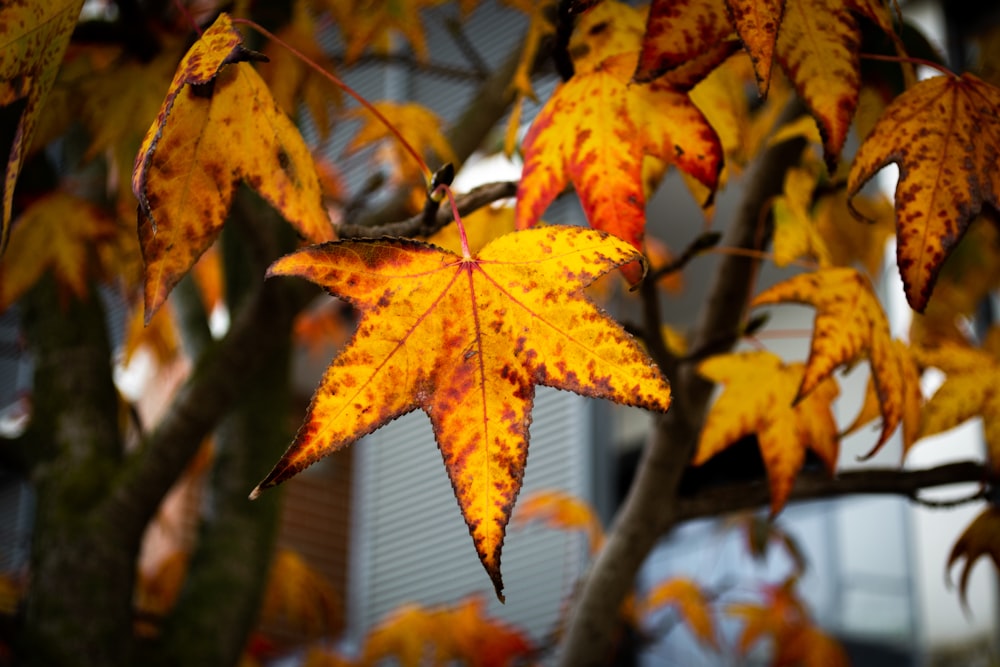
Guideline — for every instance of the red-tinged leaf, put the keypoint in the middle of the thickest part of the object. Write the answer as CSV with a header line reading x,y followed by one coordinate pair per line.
x,y
818,47
560,510
757,22
596,131
850,324
760,397
678,31
57,233
300,598
466,340
690,601
218,125
980,538
481,641
780,616
944,134
33,39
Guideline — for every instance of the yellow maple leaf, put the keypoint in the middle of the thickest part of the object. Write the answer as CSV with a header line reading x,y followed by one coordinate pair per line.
x,y
540,26
944,133
597,129
690,601
466,340
371,24
760,397
299,597
33,39
912,401
970,389
420,126
560,510
57,233
218,125
849,241
850,324
795,232
980,538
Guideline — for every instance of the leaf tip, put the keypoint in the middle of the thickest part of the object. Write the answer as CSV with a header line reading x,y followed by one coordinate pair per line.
x,y
255,494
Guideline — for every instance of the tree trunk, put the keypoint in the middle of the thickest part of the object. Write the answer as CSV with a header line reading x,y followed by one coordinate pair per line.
x,y
79,607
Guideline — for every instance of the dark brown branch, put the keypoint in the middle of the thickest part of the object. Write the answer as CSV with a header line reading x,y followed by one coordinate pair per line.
x,y
817,485
414,225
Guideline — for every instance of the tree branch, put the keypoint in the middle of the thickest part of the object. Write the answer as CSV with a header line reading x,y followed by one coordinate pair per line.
x,y
817,485
471,201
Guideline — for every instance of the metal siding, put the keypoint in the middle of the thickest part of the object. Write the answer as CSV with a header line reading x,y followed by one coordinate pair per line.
x,y
413,545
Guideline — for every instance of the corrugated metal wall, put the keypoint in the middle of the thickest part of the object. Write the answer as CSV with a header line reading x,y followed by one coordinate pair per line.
x,y
411,544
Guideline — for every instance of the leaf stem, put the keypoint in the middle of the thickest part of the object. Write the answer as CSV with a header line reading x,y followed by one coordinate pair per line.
x,y
445,189
910,60
758,254
337,81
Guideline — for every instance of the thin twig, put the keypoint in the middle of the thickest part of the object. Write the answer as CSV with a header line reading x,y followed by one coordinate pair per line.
x,y
414,225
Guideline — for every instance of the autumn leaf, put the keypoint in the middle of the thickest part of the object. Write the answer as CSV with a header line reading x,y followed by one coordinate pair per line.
x,y
760,397
597,129
677,31
33,39
980,538
756,22
372,24
796,234
912,406
760,532
540,26
420,126
189,164
849,241
970,389
560,510
944,134
783,618
417,636
291,80
466,340
298,596
159,337
691,603
817,46
56,233
850,324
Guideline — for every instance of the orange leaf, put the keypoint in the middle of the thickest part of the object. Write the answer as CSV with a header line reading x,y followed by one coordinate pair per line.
x,y
797,641
596,130
218,125
678,31
756,22
563,511
760,397
56,233
300,596
966,391
690,602
466,340
160,336
980,538
33,39
481,641
818,47
411,634
944,133
850,324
